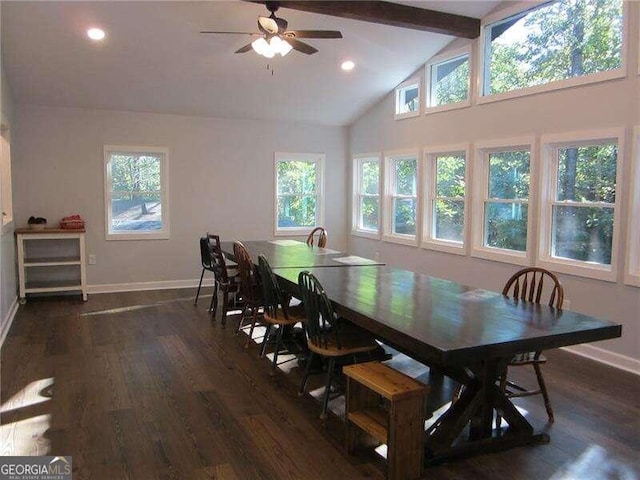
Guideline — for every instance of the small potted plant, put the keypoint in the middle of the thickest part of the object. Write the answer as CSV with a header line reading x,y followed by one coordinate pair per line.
x,y
37,223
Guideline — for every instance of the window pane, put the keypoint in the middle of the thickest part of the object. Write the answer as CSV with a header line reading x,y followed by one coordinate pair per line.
x,y
587,174
369,208
297,211
131,212
296,177
450,176
506,226
509,175
370,177
406,174
450,81
408,99
449,219
131,172
556,41
404,216
583,233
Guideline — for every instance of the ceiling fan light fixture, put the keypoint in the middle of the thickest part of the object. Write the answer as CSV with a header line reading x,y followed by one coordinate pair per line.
x,y
262,47
285,47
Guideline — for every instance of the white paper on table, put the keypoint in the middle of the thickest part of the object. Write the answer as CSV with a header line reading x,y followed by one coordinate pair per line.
x,y
355,260
285,243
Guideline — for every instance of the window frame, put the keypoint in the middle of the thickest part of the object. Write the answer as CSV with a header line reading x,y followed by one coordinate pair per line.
x,y
480,195
319,160
358,161
549,145
520,7
390,159
632,271
429,182
406,85
165,232
6,201
444,58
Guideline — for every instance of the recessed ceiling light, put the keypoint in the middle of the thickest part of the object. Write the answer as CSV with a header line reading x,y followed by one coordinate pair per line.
x,y
95,33
347,65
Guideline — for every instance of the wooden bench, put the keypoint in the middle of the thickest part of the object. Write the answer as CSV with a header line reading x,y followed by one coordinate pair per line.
x,y
386,406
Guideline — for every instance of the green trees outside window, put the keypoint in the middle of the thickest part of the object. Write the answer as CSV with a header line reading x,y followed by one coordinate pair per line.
x,y
297,191
404,196
448,202
369,196
449,81
555,41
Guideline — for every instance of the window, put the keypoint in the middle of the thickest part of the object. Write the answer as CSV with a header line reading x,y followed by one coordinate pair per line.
x,y
445,204
401,197
579,203
448,81
553,45
408,99
6,201
501,219
136,192
633,236
299,192
366,195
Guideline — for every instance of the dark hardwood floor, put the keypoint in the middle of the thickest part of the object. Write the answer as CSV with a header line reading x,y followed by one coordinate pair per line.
x,y
142,385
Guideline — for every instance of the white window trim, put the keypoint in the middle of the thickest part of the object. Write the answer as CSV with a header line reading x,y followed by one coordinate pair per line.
x,y
551,86
387,212
480,190
163,234
6,201
358,160
318,159
415,81
632,273
548,178
429,190
427,75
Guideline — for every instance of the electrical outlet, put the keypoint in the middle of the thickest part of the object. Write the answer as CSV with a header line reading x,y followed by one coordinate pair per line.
x,y
92,259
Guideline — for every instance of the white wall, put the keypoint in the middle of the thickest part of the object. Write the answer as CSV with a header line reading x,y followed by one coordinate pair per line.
x,y
609,104
221,181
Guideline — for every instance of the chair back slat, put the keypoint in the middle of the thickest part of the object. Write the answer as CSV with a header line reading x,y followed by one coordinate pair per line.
x,y
322,237
271,291
529,285
321,321
218,259
205,253
250,286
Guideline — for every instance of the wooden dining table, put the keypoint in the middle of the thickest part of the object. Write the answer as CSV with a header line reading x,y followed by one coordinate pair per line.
x,y
467,333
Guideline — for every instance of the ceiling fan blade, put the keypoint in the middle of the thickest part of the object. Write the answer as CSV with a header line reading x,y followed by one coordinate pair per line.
x,y
233,33
245,49
313,34
268,25
301,46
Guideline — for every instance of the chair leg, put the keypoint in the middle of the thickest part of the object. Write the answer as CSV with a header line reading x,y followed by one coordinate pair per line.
x,y
213,306
225,306
253,326
274,364
242,315
263,348
503,389
195,302
327,389
543,390
307,370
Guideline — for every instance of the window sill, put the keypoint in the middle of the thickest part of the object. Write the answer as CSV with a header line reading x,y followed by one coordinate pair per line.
x,y
366,234
293,231
579,269
500,255
402,240
402,116
553,86
138,236
447,107
444,246
632,279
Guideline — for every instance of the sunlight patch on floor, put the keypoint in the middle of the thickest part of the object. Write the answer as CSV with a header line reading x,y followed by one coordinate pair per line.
x,y
595,462
25,437
34,393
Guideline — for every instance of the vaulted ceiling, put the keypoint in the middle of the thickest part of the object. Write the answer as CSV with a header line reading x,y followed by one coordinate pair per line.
x,y
155,60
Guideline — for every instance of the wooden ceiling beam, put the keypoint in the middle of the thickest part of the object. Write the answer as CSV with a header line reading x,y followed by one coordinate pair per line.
x,y
388,13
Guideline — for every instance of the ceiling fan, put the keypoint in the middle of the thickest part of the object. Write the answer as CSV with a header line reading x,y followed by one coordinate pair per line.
x,y
276,39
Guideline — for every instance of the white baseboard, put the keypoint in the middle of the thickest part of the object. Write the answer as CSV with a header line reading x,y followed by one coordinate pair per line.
x,y
139,286
8,320
606,356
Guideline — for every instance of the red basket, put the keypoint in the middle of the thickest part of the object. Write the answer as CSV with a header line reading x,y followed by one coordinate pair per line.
x,y
74,222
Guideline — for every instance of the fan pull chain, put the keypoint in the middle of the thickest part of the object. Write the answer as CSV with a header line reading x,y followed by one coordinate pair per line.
x,y
269,67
